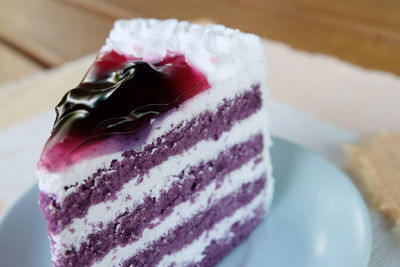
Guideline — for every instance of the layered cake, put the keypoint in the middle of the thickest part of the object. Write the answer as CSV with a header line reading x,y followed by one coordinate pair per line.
x,y
160,156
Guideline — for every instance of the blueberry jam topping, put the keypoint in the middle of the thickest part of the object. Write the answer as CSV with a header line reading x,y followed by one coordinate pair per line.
x,y
119,96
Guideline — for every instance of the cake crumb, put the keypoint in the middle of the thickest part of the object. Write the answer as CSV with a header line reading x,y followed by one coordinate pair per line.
x,y
375,163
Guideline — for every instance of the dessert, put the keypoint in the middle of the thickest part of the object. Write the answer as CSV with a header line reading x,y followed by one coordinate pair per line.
x,y
160,157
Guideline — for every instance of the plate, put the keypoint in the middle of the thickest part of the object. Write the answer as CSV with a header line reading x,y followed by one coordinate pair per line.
x,y
318,219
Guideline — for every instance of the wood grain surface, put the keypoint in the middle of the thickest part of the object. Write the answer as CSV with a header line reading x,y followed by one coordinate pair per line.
x,y
14,65
49,33
40,34
365,32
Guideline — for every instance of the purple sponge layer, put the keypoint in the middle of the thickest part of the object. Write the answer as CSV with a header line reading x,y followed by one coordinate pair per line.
x,y
104,184
218,249
128,227
203,221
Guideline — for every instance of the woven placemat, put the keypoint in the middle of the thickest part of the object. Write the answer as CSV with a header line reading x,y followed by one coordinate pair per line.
x,y
375,165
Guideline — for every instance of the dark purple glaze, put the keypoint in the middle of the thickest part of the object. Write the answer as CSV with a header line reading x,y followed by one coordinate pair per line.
x,y
121,97
129,226
202,221
104,184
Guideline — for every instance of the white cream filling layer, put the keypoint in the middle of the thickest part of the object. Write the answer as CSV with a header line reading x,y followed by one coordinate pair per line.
x,y
232,61
159,178
192,253
55,182
187,210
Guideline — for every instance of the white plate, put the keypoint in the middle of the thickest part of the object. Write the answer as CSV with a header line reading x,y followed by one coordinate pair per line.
x,y
318,219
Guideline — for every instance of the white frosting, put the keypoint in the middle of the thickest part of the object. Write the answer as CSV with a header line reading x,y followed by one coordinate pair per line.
x,y
159,178
217,51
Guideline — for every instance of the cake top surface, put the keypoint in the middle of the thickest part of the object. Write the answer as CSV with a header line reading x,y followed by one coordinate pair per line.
x,y
215,50
121,98
146,68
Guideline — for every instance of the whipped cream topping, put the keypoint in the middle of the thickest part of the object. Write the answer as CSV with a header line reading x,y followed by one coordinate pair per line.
x,y
215,50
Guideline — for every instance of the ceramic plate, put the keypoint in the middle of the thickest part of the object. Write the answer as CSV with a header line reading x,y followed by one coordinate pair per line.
x,y
318,219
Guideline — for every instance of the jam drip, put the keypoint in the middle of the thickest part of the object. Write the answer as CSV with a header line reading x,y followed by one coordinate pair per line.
x,y
119,96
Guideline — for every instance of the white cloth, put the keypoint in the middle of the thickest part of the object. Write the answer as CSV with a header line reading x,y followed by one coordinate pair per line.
x,y
21,144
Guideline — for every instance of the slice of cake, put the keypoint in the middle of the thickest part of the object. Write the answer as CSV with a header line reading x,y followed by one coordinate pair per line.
x,y
160,157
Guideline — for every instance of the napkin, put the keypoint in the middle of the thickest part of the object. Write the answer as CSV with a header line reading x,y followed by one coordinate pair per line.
x,y
376,163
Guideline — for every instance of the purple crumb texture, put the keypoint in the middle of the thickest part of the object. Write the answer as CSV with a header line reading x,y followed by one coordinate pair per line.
x,y
203,221
218,249
128,227
103,186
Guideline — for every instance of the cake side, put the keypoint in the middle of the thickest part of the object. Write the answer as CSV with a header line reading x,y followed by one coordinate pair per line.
x,y
54,183
156,181
120,207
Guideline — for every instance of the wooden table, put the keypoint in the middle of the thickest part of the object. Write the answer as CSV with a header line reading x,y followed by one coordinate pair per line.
x,y
39,34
